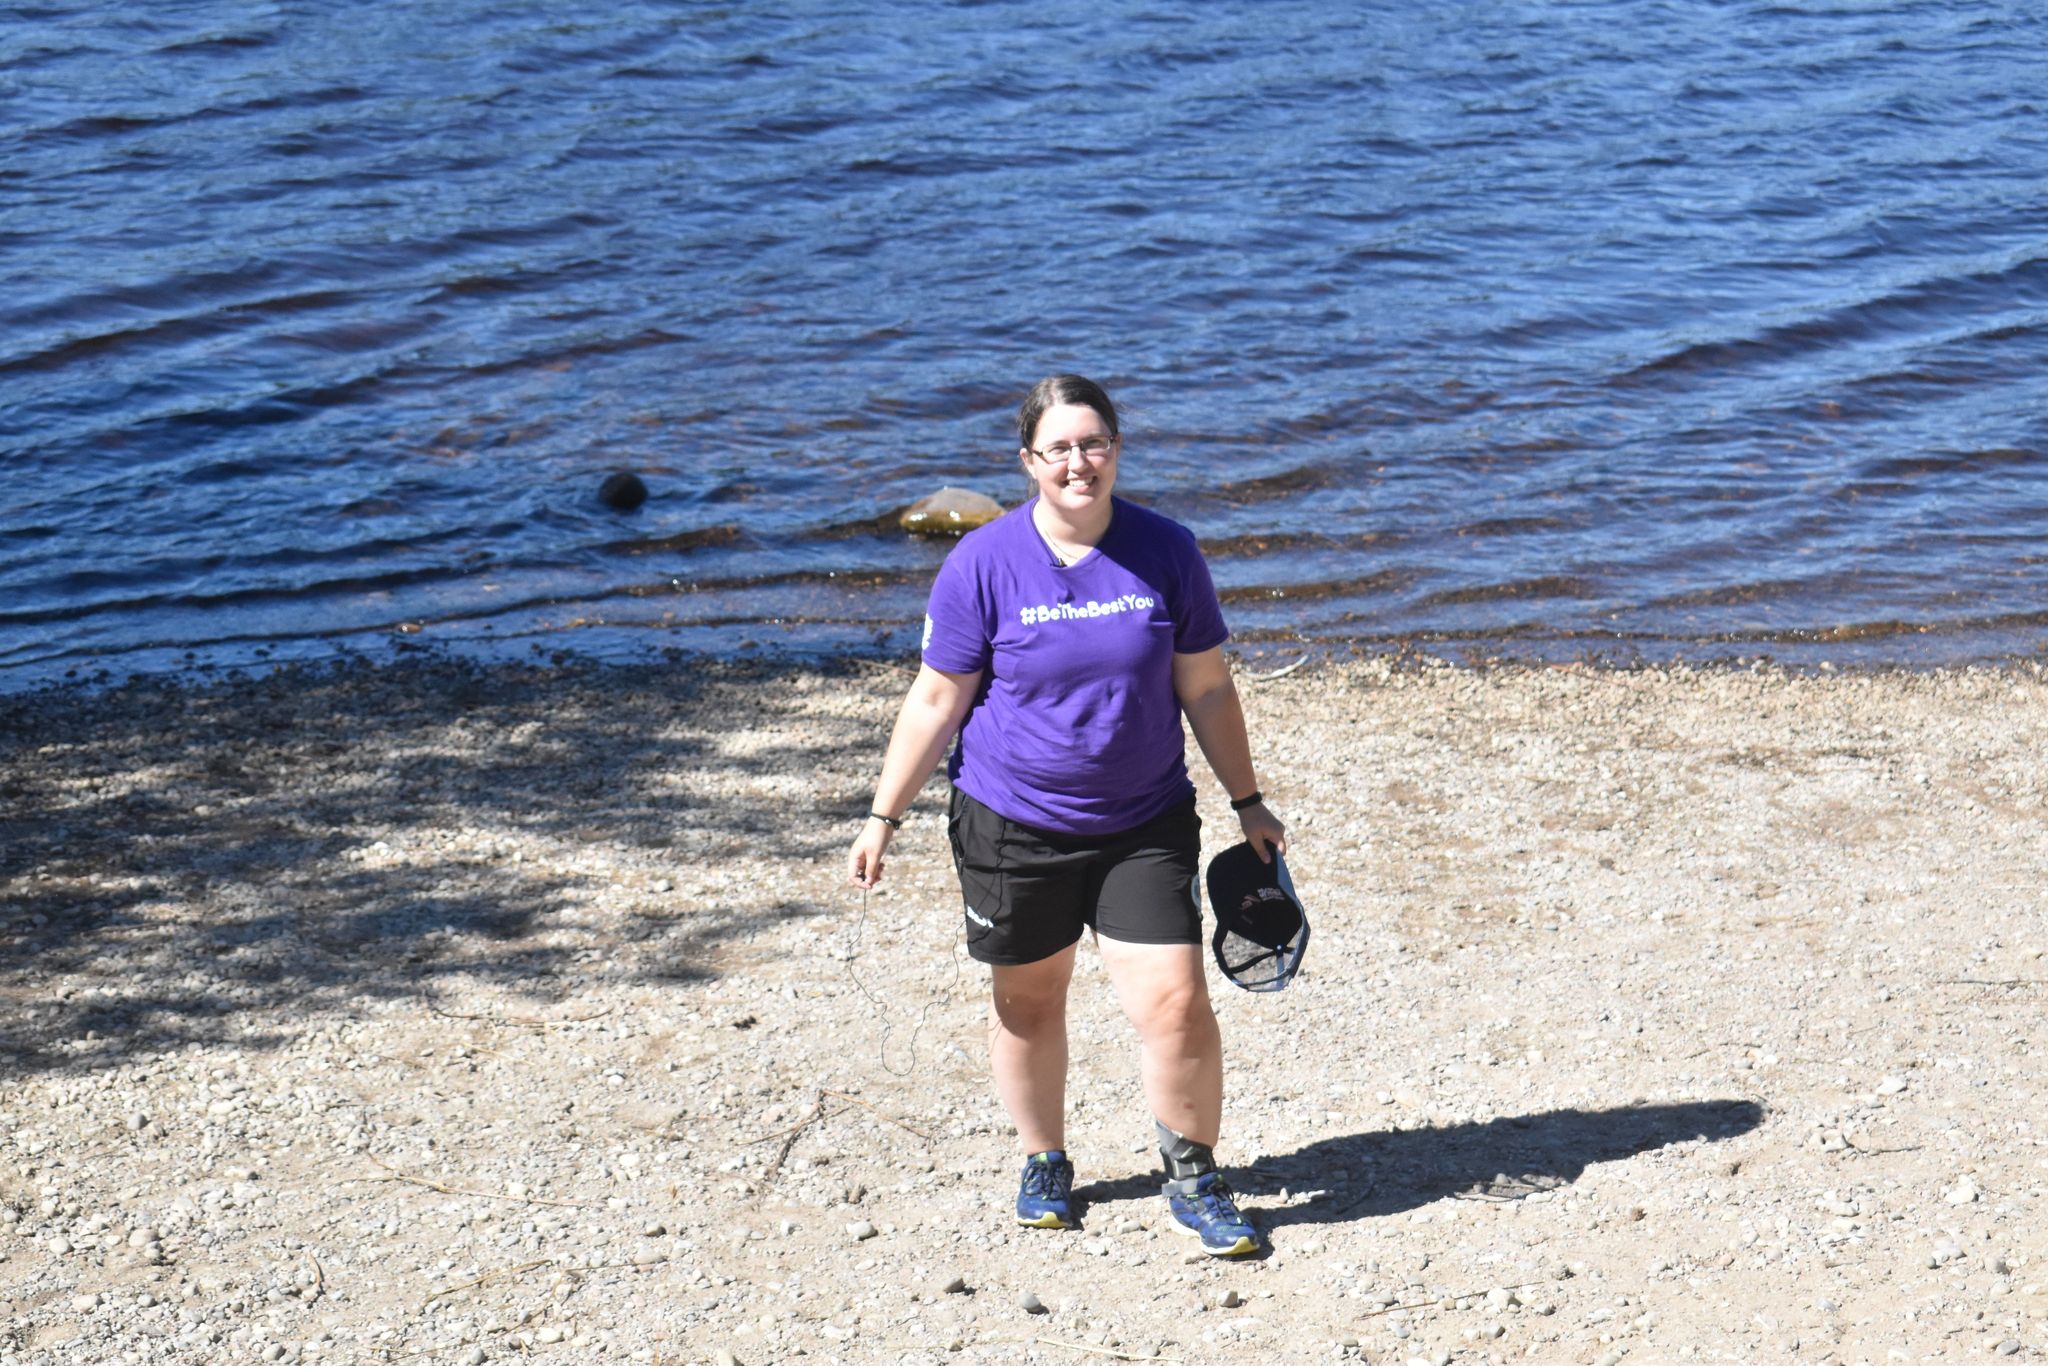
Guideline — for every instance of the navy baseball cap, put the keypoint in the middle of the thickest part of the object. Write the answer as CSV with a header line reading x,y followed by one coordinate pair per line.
x,y
1261,930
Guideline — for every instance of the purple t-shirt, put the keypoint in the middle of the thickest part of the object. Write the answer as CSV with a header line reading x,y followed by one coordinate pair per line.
x,y
1076,729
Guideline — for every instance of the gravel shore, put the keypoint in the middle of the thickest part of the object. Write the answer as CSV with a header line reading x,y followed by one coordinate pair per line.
x,y
445,1013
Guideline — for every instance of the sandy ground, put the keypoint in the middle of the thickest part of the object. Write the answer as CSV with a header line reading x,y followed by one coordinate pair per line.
x,y
454,1014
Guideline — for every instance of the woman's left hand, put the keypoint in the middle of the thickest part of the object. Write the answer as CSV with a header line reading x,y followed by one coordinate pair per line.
x,y
1262,829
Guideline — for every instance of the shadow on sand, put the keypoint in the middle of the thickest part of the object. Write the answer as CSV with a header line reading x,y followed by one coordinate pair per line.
x,y
1371,1175
183,862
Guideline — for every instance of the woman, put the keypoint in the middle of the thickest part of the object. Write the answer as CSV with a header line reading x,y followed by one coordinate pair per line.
x,y
1062,644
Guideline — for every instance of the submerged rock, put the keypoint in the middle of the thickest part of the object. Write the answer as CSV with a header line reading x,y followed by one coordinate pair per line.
x,y
950,512
623,491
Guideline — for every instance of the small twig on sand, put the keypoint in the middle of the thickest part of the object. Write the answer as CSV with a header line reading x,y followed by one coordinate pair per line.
x,y
1098,1351
782,1153
1725,1043
1995,982
1110,1352
789,1140
1424,1304
519,1270
864,1104
1276,673
1372,1188
523,1021
445,1189
794,1129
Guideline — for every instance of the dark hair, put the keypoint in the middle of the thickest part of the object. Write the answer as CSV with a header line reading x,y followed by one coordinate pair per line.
x,y
1054,390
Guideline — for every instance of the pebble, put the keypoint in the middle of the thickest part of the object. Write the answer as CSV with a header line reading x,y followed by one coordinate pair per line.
x,y
1964,1192
1031,1304
274,1352
474,1357
551,1334
1611,1359
649,1258
1891,1086
84,1304
2010,1347
653,1230
957,1285
861,1230
722,1357
1229,1299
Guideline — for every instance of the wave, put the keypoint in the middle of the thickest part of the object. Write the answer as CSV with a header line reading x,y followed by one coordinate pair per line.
x,y
1545,586
1928,305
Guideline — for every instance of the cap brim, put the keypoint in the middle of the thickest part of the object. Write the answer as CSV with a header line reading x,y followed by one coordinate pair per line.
x,y
1261,928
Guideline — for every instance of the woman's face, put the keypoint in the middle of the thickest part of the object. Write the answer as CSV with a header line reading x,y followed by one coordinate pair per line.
x,y
1071,480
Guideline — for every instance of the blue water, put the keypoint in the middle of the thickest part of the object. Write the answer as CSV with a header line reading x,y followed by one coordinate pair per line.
x,y
1559,329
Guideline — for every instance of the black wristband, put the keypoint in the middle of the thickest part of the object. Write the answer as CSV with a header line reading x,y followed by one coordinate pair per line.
x,y
1252,798
893,822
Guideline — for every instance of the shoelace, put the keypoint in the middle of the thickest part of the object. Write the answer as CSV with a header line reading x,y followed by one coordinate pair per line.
x,y
1216,1203
1042,1179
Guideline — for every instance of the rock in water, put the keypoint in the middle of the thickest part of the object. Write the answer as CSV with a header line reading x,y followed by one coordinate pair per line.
x,y
950,512
622,491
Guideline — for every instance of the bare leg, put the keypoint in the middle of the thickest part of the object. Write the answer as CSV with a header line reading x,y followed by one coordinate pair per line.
x,y
1027,1047
1163,991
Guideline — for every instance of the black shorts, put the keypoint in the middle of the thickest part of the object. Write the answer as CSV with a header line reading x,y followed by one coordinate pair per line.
x,y
1030,892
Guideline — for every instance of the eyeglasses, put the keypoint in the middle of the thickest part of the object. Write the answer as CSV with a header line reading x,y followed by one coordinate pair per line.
x,y
1092,448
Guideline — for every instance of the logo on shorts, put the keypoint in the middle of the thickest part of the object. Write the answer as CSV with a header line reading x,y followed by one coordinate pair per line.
x,y
978,918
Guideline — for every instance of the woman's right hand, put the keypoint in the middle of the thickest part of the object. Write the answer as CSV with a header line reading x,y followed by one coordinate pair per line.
x,y
864,860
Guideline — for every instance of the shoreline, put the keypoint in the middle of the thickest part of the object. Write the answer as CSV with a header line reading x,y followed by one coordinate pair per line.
x,y
1254,659
380,1010
629,647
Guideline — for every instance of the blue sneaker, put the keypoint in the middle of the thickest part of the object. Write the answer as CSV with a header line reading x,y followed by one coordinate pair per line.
x,y
1045,1197
1201,1205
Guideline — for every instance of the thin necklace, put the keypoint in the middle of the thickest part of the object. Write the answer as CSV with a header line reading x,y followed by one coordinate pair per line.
x,y
1063,555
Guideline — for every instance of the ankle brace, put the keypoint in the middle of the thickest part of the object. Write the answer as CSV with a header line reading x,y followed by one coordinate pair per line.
x,y
1184,1158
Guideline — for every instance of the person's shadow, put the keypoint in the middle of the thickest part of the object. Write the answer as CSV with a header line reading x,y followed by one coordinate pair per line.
x,y
1367,1175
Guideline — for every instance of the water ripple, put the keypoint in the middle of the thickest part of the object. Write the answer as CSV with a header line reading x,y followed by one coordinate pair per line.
x,y
1673,328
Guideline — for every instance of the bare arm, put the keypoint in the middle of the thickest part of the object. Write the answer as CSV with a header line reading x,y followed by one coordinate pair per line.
x,y
932,713
1202,684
